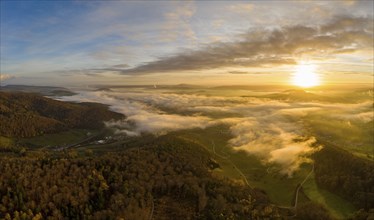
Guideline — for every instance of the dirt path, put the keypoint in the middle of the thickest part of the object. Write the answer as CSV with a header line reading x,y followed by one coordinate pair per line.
x,y
153,208
232,163
247,183
301,185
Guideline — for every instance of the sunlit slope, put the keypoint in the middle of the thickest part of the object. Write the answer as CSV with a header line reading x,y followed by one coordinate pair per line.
x,y
355,136
278,187
249,169
299,95
338,207
342,118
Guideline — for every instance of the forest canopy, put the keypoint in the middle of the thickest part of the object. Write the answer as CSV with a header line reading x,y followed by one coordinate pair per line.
x,y
28,115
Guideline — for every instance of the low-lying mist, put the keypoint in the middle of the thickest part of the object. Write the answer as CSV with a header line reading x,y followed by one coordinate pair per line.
x,y
273,130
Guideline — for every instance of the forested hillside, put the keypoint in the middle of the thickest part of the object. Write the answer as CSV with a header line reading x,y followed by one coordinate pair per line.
x,y
146,177
42,90
171,177
346,175
28,115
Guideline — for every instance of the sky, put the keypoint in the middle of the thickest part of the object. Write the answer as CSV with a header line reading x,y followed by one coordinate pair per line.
x,y
195,42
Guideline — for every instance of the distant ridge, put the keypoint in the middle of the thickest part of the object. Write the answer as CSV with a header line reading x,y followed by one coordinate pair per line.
x,y
43,90
298,95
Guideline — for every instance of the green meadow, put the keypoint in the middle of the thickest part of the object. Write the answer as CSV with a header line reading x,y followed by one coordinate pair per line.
x,y
280,188
62,138
339,208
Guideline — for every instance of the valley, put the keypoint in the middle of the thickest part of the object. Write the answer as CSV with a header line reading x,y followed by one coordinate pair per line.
x,y
186,110
266,180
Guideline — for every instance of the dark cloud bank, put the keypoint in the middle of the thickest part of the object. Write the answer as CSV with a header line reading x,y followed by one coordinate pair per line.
x,y
277,46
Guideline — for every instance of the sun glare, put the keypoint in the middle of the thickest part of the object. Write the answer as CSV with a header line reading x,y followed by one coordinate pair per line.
x,y
305,75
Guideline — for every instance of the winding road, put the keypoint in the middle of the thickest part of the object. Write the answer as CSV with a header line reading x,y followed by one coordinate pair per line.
x,y
301,185
294,207
247,183
153,208
235,167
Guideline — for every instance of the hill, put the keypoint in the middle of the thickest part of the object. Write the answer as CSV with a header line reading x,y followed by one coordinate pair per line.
x,y
43,90
350,177
28,115
164,178
298,95
147,177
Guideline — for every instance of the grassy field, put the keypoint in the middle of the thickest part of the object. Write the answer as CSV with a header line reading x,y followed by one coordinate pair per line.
x,y
6,142
353,136
279,188
338,207
62,138
234,164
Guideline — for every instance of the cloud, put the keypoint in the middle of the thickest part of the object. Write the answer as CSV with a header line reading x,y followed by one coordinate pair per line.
x,y
4,77
162,123
242,8
140,116
279,46
121,66
272,130
99,35
275,140
300,112
248,72
349,2
291,157
178,22
239,72
363,116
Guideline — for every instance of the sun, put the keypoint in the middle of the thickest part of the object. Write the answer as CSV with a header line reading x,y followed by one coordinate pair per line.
x,y
305,76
